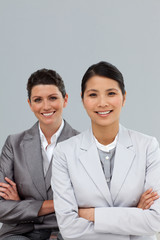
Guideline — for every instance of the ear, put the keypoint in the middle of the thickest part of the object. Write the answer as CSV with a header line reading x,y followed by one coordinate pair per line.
x,y
82,100
30,105
124,99
65,100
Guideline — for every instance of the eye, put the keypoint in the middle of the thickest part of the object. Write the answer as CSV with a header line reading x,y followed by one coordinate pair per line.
x,y
92,95
37,100
52,98
111,93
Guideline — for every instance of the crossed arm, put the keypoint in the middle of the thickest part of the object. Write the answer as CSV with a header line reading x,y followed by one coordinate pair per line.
x,y
145,202
102,219
9,192
13,208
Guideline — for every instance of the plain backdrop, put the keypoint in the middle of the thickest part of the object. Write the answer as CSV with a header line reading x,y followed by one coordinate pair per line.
x,y
69,36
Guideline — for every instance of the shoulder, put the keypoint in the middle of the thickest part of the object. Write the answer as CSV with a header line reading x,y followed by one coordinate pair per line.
x,y
70,129
18,137
73,141
137,138
68,150
140,136
67,132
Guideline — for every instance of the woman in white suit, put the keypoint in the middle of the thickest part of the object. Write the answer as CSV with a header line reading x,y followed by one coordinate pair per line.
x,y
99,175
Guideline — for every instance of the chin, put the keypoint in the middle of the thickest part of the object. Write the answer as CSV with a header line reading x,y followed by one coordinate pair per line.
x,y
46,122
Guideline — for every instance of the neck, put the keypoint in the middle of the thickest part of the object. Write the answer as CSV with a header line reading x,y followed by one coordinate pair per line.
x,y
49,131
105,135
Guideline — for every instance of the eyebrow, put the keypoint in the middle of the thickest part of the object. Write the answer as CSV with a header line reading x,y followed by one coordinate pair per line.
x,y
112,89
108,90
52,94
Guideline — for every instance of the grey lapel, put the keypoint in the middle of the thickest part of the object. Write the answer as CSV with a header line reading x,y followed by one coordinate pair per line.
x,y
33,157
90,159
124,157
66,133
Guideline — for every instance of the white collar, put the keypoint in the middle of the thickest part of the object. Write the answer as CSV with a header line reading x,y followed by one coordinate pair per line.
x,y
106,148
54,136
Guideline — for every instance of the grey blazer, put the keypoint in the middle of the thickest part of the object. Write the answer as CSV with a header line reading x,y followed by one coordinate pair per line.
x,y
78,181
21,161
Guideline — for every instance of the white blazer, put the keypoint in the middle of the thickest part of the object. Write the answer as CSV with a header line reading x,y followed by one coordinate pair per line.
x,y
78,181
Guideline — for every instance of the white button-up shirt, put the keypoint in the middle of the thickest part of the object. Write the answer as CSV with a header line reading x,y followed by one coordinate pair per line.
x,y
48,148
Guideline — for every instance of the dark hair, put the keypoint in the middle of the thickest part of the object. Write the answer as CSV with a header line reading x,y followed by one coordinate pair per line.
x,y
45,77
103,69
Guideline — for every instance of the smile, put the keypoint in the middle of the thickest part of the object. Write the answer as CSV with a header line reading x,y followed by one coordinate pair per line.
x,y
48,114
104,113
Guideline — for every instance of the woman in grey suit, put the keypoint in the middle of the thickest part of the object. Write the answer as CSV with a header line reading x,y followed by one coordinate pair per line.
x,y
26,197
99,175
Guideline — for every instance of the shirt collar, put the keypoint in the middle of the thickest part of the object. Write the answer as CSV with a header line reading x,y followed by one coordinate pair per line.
x,y
54,136
106,148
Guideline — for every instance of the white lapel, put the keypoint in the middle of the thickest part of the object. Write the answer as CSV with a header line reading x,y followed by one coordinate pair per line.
x,y
90,159
124,157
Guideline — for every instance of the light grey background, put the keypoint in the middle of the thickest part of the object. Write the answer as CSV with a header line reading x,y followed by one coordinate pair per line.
x,y
69,36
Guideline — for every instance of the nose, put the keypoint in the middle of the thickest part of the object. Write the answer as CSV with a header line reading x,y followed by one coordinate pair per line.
x,y
46,105
103,102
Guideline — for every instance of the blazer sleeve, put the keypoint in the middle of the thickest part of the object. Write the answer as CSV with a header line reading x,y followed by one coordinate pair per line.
x,y
135,221
24,211
70,224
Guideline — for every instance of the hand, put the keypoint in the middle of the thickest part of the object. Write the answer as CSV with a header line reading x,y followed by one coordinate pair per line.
x,y
87,213
9,190
147,199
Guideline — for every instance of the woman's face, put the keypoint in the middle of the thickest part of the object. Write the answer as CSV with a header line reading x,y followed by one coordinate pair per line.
x,y
47,103
103,100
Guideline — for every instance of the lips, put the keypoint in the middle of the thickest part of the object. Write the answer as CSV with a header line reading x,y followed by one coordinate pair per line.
x,y
104,113
48,114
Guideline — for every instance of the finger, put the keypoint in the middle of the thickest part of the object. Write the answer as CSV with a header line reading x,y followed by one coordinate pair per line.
x,y
2,189
2,184
8,188
5,196
155,197
13,184
151,196
6,191
148,191
148,196
10,181
154,194
145,195
149,201
148,205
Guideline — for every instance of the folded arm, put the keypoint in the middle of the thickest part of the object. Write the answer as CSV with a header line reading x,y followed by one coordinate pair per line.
x,y
105,220
13,209
135,221
145,202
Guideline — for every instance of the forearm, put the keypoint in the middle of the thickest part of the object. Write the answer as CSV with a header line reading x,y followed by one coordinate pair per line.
x,y
19,211
74,227
126,221
87,213
46,208
107,219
